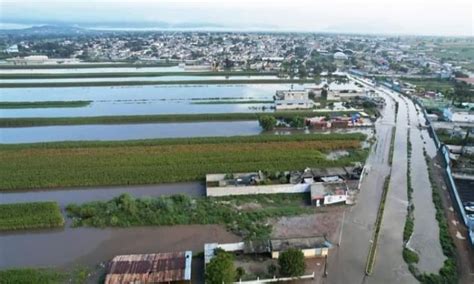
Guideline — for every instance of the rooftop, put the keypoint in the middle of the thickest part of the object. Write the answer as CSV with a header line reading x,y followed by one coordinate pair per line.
x,y
149,268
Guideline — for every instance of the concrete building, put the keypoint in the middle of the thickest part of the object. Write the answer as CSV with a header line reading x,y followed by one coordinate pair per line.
x,y
458,115
12,49
174,267
326,193
291,99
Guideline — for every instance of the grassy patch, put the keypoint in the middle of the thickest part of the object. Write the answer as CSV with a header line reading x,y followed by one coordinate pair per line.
x,y
30,216
49,165
437,85
30,276
126,211
78,275
46,104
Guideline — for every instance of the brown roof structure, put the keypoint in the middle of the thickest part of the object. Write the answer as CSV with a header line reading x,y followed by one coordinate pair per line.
x,y
150,268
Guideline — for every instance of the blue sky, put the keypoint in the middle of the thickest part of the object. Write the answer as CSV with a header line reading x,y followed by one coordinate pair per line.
x,y
427,17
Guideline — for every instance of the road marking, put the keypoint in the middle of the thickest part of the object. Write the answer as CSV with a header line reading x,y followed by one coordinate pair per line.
x,y
342,228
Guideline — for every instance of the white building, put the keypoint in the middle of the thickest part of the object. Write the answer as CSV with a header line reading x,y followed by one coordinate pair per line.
x,y
285,100
12,49
340,56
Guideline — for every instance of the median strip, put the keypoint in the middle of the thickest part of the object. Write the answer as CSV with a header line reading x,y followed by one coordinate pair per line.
x,y
378,221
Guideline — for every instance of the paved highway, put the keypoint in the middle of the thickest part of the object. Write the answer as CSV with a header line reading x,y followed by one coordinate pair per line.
x,y
347,262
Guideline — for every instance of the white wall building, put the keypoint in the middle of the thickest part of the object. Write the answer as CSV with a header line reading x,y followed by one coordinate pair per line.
x,y
293,100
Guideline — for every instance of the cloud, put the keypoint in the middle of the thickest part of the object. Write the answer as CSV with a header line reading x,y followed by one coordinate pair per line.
x,y
454,17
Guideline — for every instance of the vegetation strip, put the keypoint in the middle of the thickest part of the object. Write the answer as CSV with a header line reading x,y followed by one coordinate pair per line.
x,y
409,255
161,118
43,275
34,215
447,273
131,74
45,104
49,165
250,222
378,221
143,83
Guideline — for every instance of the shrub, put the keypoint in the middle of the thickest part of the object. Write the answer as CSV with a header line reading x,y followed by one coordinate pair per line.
x,y
267,122
221,269
410,256
291,263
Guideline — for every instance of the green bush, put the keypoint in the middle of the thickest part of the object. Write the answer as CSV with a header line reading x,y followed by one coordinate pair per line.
x,y
221,269
292,263
267,122
410,256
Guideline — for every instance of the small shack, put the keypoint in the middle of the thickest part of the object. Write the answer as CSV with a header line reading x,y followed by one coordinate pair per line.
x,y
328,193
173,267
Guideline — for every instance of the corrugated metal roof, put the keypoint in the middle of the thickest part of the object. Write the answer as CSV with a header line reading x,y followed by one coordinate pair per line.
x,y
149,268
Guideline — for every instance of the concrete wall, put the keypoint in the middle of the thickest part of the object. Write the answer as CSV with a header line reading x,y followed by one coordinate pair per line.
x,y
258,189
308,253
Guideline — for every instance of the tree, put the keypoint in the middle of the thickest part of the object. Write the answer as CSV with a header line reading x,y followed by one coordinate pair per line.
x,y
291,263
267,122
297,122
221,269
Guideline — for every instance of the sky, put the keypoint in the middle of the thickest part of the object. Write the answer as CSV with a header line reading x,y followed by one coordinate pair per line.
x,y
419,17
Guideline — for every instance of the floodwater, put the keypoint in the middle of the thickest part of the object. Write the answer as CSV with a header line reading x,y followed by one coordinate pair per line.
x,y
92,70
144,78
122,132
142,100
65,196
70,247
126,131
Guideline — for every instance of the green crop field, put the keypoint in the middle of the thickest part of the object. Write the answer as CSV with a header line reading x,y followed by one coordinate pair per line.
x,y
30,216
45,104
49,165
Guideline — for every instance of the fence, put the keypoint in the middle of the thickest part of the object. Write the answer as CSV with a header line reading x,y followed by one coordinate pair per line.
x,y
444,150
274,279
257,189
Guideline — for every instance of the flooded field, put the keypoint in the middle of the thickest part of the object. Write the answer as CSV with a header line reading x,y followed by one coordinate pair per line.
x,y
87,194
144,78
121,132
126,131
91,70
142,100
90,246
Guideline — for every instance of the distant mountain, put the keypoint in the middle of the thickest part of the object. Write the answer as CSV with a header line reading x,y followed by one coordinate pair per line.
x,y
47,30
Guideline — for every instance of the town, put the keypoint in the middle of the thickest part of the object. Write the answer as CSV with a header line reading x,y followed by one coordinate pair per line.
x,y
235,157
